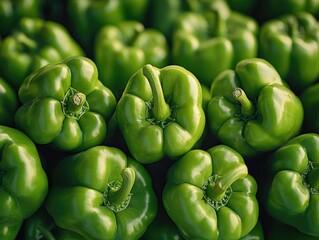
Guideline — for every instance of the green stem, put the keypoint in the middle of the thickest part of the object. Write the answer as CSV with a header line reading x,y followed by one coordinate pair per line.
x,y
118,196
161,110
313,178
247,107
26,41
217,189
293,27
45,232
75,102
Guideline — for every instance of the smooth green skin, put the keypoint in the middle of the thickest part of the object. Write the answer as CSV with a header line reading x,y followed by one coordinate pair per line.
x,y
277,115
287,197
122,49
42,115
86,17
166,12
24,183
33,44
8,103
183,196
291,44
138,118
257,233
11,11
208,44
275,8
310,100
76,200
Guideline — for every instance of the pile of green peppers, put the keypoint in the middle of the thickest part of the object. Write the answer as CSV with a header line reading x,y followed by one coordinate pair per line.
x,y
159,119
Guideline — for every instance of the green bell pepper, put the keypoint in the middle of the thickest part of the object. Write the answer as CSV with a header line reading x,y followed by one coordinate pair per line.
x,y
163,109
8,103
24,183
65,104
210,195
166,12
291,44
292,187
33,44
207,44
101,194
86,17
257,233
122,49
251,108
310,100
12,11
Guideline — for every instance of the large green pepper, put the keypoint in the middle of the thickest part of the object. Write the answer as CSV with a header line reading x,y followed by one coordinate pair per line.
x,y
86,17
252,110
33,44
24,184
122,49
207,44
8,103
292,189
11,11
291,44
166,12
101,194
310,100
210,195
163,109
65,104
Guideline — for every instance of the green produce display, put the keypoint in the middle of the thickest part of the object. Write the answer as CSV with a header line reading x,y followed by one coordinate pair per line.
x,y
33,44
291,44
24,183
291,194
101,194
65,104
163,109
159,119
122,49
252,110
210,195
207,44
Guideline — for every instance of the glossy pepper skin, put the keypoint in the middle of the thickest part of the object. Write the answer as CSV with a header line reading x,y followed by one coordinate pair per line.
x,y
310,100
291,44
291,193
122,49
86,17
252,110
101,194
33,44
12,11
24,183
65,105
163,109
210,195
207,44
8,103
166,12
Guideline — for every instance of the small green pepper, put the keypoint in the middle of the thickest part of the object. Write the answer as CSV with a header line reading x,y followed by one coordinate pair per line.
x,y
163,109
210,195
101,194
66,105
24,183
8,103
252,110
33,44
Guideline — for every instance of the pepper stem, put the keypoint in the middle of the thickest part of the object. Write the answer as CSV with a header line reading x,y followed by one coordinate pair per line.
x,y
27,42
76,101
116,196
247,107
45,232
161,110
217,189
313,178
